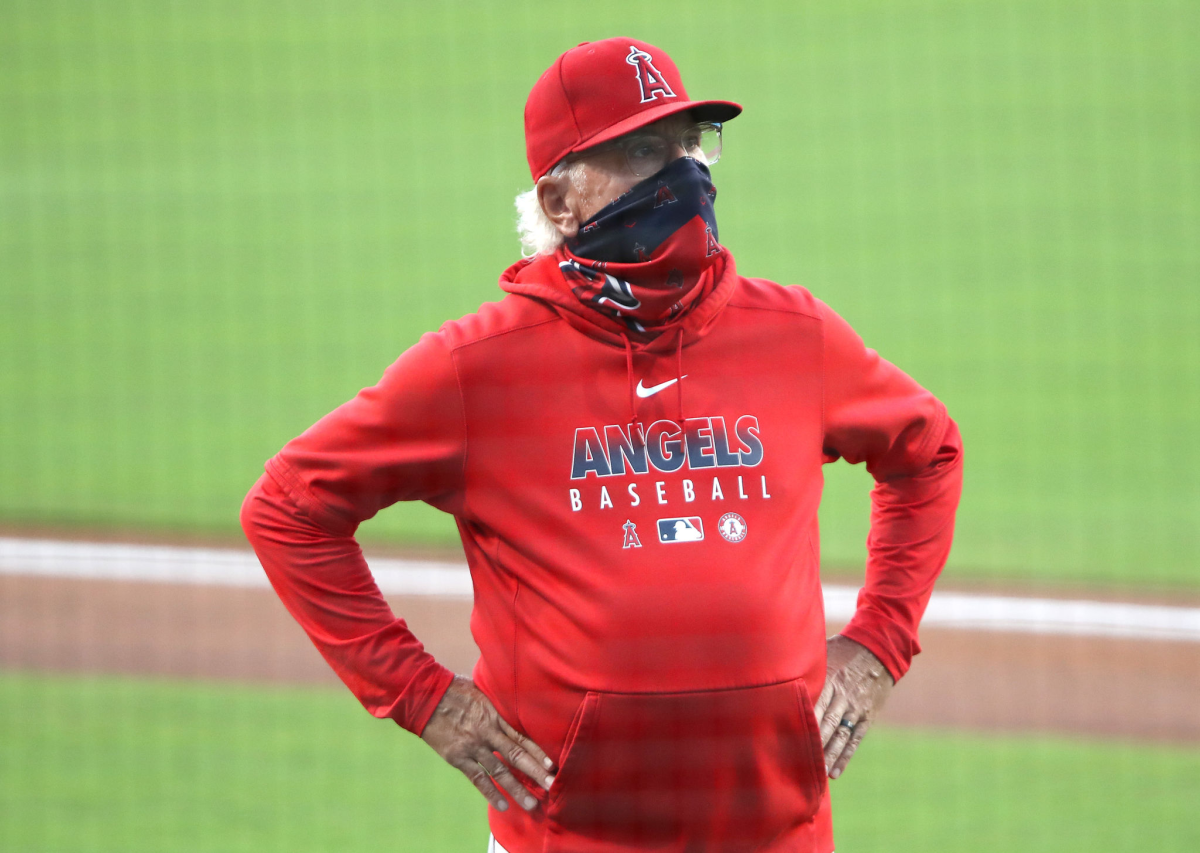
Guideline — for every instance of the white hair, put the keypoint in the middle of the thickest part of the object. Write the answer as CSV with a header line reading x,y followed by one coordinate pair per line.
x,y
538,234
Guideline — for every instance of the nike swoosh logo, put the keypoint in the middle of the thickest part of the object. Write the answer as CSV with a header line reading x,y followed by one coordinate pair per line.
x,y
645,392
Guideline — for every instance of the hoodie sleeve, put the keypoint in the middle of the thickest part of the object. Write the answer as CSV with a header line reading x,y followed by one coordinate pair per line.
x,y
402,439
877,414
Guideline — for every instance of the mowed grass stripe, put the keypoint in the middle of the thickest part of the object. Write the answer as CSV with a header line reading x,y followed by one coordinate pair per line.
x,y
118,764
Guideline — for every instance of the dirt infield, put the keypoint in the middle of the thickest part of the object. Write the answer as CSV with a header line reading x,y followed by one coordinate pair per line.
x,y
1135,689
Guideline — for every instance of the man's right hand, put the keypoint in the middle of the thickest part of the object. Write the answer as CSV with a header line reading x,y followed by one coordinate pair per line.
x,y
467,731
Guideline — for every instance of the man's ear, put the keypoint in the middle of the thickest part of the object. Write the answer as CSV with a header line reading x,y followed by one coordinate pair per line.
x,y
556,195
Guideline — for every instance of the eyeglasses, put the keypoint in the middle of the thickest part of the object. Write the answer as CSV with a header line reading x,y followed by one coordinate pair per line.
x,y
648,153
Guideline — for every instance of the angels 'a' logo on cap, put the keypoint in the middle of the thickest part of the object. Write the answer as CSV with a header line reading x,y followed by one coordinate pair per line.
x,y
652,82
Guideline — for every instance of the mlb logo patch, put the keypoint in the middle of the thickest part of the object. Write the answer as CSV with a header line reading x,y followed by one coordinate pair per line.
x,y
688,529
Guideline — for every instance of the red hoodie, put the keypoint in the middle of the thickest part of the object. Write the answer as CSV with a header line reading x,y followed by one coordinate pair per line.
x,y
640,523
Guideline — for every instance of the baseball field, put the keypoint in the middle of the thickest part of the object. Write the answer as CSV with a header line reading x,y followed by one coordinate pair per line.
x,y
219,220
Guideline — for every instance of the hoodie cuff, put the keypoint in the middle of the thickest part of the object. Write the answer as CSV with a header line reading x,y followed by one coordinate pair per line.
x,y
891,643
421,696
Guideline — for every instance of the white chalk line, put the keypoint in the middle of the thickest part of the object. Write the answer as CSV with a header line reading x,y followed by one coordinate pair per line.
x,y
228,567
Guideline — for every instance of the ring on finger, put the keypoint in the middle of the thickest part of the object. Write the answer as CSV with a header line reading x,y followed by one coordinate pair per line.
x,y
846,724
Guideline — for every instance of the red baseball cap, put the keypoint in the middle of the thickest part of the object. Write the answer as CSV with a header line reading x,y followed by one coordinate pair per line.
x,y
600,90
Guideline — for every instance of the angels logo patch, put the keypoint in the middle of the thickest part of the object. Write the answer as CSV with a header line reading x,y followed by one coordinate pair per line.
x,y
651,81
732,527
631,537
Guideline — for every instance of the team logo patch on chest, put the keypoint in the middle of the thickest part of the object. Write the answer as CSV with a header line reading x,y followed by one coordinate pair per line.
x,y
732,527
686,529
631,539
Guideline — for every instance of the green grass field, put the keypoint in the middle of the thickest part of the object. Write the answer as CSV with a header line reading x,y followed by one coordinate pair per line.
x,y
128,765
218,220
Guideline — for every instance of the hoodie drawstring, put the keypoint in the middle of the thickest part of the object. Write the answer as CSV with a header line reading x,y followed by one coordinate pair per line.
x,y
679,374
629,374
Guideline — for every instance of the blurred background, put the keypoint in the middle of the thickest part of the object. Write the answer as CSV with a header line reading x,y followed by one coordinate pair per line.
x,y
219,220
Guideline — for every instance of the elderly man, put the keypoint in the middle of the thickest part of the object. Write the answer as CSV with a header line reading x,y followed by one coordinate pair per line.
x,y
631,444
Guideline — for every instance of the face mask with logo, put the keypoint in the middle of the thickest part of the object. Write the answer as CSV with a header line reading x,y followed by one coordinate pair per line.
x,y
651,255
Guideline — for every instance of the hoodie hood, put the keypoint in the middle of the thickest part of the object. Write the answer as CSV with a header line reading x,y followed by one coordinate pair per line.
x,y
541,278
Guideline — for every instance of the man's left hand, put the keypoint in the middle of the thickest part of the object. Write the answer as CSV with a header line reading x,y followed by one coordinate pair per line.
x,y
856,686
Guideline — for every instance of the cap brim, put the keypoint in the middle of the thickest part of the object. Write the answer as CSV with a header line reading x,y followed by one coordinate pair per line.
x,y
703,110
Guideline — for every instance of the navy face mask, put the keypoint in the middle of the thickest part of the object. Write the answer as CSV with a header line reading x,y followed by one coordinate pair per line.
x,y
650,256
668,214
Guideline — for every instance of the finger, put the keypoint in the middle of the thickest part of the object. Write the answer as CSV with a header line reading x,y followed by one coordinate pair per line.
x,y
823,699
841,736
481,780
503,777
832,716
515,755
860,731
526,756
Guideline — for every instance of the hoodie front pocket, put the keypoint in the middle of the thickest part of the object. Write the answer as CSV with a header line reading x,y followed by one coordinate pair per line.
x,y
729,768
